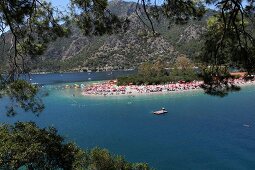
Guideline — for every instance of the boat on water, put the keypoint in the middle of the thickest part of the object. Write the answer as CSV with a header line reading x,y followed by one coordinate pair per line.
x,y
162,111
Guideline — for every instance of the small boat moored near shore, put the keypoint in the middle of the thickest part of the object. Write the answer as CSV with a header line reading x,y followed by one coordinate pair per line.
x,y
159,112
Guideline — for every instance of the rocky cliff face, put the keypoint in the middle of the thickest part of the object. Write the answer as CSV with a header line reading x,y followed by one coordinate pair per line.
x,y
192,32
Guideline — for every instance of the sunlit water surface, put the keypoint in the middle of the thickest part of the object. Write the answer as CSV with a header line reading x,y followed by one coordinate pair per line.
x,y
199,132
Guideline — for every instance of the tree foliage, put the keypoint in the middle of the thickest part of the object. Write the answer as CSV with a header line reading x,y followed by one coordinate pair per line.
x,y
229,42
30,26
183,62
25,145
24,95
177,11
156,73
93,17
149,69
230,45
216,81
101,159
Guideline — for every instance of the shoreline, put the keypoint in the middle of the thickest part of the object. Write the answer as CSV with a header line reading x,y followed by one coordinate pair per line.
x,y
109,88
142,94
74,71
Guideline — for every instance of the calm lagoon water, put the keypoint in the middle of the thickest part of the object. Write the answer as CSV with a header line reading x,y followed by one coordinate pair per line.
x,y
199,132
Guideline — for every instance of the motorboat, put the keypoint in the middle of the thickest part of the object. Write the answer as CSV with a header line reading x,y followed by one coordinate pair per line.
x,y
162,111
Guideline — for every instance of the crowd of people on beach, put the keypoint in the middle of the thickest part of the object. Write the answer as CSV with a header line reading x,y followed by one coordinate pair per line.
x,y
109,88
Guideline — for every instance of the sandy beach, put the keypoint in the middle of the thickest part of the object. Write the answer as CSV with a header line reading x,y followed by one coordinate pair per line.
x,y
110,88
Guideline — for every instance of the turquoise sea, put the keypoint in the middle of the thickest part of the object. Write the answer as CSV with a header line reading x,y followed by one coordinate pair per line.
x,y
199,132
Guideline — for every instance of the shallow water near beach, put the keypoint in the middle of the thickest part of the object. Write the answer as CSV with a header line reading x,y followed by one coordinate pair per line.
x,y
198,132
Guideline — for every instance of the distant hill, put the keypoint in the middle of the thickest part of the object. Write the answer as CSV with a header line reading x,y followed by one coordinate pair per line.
x,y
122,51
